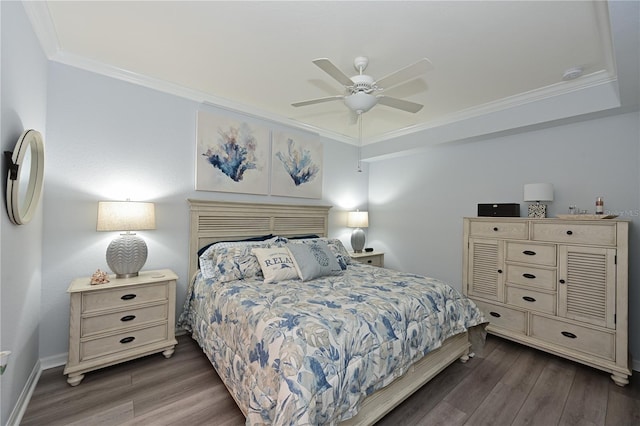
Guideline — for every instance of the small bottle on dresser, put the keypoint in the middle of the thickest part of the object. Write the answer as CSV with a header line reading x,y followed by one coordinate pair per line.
x,y
599,205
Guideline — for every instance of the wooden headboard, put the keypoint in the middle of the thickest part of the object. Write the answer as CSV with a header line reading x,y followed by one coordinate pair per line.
x,y
213,221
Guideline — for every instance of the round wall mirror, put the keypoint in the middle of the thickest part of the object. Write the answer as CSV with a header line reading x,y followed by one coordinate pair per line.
x,y
25,177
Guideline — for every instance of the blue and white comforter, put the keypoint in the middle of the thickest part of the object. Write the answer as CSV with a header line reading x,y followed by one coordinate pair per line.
x,y
308,352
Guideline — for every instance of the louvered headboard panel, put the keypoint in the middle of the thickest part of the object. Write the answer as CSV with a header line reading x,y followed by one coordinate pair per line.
x,y
213,221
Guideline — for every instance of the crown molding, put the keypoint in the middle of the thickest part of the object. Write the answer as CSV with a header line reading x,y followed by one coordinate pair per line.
x,y
42,23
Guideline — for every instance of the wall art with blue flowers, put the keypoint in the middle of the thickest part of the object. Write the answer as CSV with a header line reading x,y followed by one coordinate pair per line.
x,y
296,165
232,155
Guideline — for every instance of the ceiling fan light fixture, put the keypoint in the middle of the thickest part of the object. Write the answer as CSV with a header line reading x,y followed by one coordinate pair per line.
x,y
360,102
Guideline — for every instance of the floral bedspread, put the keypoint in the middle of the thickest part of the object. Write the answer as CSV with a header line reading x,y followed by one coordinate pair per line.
x,y
308,352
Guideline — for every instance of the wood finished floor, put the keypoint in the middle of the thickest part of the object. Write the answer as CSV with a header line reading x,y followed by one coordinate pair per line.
x,y
511,385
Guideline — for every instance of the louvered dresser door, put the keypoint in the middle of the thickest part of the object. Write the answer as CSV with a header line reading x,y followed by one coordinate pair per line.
x,y
556,285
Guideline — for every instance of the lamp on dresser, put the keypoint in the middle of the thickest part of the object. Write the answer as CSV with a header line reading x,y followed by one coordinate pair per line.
x,y
357,220
126,254
538,192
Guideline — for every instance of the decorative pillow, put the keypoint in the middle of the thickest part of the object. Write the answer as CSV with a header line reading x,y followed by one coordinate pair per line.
x,y
209,259
336,247
313,260
276,264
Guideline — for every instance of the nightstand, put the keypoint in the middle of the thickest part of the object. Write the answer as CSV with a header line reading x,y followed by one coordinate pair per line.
x,y
119,321
373,258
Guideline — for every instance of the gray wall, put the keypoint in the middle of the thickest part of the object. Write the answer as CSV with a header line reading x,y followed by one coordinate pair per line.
x,y
417,201
112,140
23,106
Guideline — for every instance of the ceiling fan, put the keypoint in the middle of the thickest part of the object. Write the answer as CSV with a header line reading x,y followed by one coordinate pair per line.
x,y
360,89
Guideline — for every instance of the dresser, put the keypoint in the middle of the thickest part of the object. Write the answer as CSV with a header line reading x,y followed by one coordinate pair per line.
x,y
373,258
121,320
556,285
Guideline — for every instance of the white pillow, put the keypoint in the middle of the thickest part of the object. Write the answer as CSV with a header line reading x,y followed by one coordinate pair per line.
x,y
313,260
276,264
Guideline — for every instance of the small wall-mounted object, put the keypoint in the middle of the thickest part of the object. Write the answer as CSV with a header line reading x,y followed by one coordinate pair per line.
x,y
4,360
25,176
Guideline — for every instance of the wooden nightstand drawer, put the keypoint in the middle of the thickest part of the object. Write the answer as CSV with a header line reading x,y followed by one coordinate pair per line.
x,y
123,319
373,258
490,229
572,336
535,254
531,299
503,317
531,277
575,233
122,342
123,296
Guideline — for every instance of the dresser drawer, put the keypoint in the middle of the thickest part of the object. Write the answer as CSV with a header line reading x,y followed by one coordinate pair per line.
x,y
496,229
531,276
123,296
122,342
531,299
535,254
129,318
575,233
503,317
575,337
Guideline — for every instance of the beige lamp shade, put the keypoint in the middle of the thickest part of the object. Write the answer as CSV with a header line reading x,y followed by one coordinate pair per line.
x,y
358,219
126,216
538,192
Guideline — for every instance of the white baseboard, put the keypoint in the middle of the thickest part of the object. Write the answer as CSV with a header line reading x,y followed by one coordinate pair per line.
x,y
53,361
25,396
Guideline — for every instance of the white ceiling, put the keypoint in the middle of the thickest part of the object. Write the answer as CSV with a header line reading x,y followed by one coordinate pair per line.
x,y
256,56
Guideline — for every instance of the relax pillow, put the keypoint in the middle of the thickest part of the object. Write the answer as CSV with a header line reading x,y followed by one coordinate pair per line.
x,y
313,260
276,264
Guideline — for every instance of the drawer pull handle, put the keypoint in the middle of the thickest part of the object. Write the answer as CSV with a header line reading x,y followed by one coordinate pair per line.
x,y
495,314
127,339
499,271
529,252
369,261
569,232
529,298
495,229
128,318
562,281
530,276
568,334
128,297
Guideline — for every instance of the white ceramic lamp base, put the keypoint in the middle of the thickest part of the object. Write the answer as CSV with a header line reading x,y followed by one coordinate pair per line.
x,y
126,255
357,240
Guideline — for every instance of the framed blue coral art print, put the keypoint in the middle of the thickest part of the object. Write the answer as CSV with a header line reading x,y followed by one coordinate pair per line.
x,y
232,155
296,165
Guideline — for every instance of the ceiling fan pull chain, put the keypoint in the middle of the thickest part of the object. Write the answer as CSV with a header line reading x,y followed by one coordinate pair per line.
x,y
360,141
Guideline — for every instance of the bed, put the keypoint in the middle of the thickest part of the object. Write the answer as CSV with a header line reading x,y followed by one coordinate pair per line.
x,y
343,347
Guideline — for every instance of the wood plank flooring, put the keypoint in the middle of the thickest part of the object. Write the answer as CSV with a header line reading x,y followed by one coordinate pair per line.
x,y
511,385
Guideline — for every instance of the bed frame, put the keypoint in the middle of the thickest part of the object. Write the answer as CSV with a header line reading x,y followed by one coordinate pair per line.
x,y
213,221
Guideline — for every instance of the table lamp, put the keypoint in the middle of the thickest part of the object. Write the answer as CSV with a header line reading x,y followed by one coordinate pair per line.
x,y
538,192
127,253
357,220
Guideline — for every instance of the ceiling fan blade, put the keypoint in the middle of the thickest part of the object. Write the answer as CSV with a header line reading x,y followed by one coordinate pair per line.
x,y
404,74
399,104
317,101
327,66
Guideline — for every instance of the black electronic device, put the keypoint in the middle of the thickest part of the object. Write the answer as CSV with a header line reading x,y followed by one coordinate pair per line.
x,y
499,210
368,249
